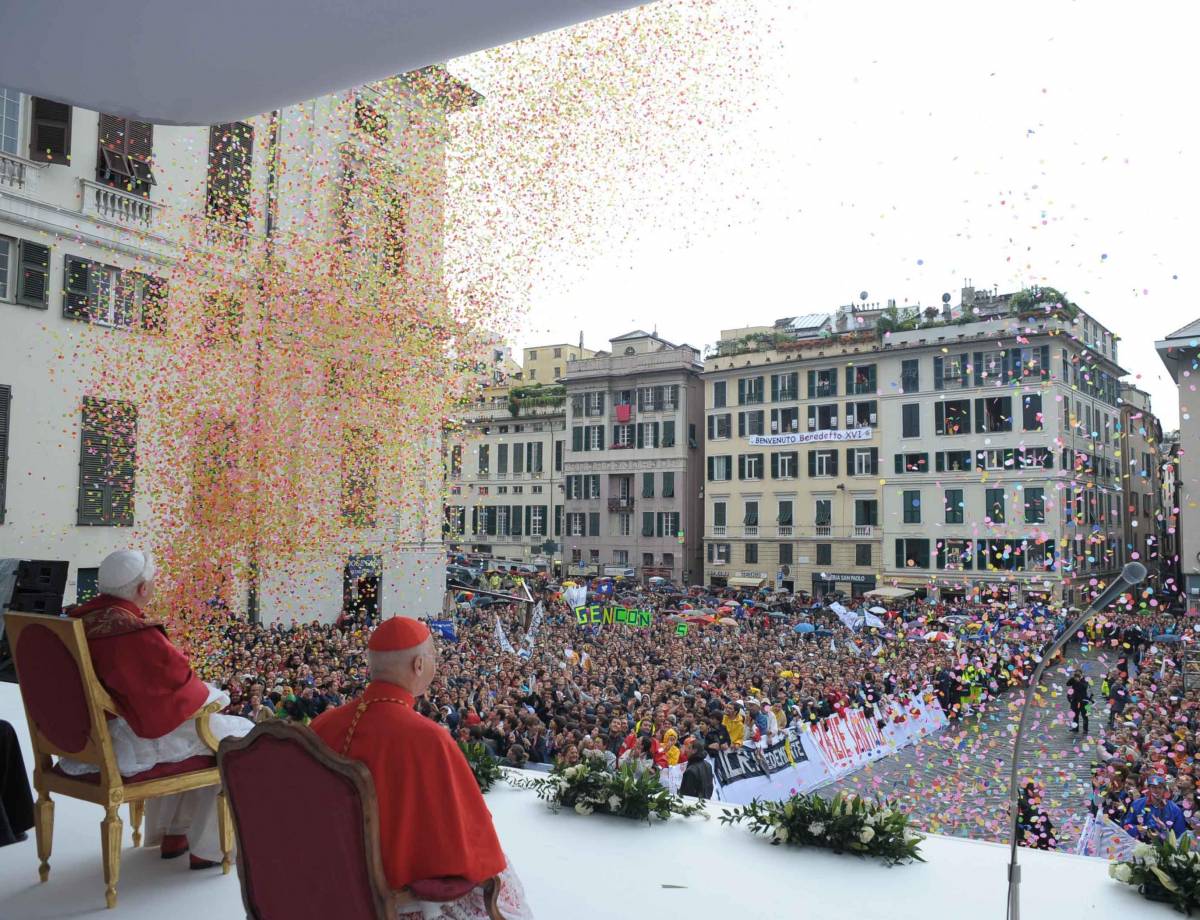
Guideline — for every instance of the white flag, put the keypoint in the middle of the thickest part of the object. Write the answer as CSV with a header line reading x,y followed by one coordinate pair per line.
x,y
502,639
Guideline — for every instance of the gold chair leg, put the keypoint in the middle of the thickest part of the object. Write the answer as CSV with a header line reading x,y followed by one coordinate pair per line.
x,y
43,823
136,809
225,831
111,829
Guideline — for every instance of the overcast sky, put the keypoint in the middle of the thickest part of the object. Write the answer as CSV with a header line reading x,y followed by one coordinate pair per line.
x,y
898,149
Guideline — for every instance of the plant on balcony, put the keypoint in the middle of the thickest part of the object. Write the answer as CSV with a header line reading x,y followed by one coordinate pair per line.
x,y
534,395
845,823
1042,301
482,764
894,319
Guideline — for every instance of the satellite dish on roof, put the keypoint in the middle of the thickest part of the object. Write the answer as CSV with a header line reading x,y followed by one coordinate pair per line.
x,y
862,295
945,298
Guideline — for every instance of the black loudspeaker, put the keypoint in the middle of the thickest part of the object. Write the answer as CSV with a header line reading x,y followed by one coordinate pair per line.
x,y
40,586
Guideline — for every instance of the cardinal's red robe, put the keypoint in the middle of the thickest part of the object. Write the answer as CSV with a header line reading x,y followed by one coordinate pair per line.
x,y
432,818
148,678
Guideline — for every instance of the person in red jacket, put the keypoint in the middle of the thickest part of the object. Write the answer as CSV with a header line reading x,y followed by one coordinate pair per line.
x,y
156,693
433,821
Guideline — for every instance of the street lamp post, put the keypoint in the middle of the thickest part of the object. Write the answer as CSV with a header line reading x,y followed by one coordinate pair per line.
x,y
1133,573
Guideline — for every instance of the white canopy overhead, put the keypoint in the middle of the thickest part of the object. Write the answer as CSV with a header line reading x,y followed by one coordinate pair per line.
x,y
182,62
891,594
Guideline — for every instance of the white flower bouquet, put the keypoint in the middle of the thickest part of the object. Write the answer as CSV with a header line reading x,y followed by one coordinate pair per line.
x,y
1165,869
587,787
845,823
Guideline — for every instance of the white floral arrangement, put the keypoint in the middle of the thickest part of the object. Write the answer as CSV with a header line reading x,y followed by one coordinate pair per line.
x,y
1165,869
845,823
588,787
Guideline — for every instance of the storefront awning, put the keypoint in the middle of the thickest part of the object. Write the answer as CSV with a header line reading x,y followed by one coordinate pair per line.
x,y
891,594
178,62
746,582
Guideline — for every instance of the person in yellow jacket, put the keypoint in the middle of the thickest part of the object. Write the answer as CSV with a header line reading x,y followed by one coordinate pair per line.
x,y
734,725
670,747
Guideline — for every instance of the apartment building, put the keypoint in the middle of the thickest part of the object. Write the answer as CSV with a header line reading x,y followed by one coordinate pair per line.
x,y
548,363
1180,353
1001,433
633,469
1141,477
96,212
792,458
505,467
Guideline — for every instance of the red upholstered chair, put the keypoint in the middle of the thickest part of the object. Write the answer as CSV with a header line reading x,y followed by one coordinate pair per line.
x,y
66,708
307,825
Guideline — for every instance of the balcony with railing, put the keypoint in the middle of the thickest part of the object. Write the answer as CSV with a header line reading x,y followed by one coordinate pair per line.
x,y
864,530
19,174
750,530
114,206
823,530
785,530
719,530
620,504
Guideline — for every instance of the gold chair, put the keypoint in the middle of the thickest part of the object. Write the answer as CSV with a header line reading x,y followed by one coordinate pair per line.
x,y
66,708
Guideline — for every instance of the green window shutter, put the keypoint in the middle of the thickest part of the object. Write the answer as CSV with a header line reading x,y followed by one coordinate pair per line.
x,y
647,523
50,131
668,485
774,466
812,461
33,280
668,434
577,438
647,485
79,300
593,523
5,416
641,435
711,465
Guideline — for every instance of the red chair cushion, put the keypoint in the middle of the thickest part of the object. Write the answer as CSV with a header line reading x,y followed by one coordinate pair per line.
x,y
158,771
446,888
53,689
280,795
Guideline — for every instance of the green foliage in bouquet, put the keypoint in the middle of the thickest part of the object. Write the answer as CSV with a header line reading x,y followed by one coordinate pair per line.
x,y
482,764
628,793
845,823
1166,870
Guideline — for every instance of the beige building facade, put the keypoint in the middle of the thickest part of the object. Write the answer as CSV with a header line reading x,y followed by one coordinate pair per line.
x,y
1180,352
547,364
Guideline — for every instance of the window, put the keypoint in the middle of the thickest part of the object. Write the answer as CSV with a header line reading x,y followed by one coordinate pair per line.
x,y
750,466
719,426
533,373
1035,458
954,506
860,381
785,465
577,524
719,514
910,376
952,417
10,119
824,554
995,459
108,296
502,460
720,469
393,242
954,555
952,461
823,418
822,463
784,515
718,553
949,371
126,148
594,439
360,477
866,512
752,553
785,554
484,454
668,560
24,272
107,463
593,402
668,433
750,423
862,414
647,485
750,390
912,463
533,354
370,121
624,524
718,391
647,523
785,420
911,505
1031,410
668,485
993,413
785,387
822,384
5,403
622,436
230,156
537,521
501,490
912,554
620,556
862,555
558,456
456,452
862,461
50,132
558,352
593,525
910,420
993,506
750,518
1035,505
991,365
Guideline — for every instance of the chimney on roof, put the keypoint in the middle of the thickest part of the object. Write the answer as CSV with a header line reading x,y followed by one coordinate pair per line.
x,y
581,339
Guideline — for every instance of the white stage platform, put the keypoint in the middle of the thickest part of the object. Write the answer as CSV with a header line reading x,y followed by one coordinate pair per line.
x,y
598,867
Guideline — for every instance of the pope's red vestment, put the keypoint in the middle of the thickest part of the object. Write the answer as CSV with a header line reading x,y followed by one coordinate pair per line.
x,y
432,817
148,678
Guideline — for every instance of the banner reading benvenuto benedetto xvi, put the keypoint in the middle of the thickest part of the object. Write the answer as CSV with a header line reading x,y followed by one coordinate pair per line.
x,y
809,437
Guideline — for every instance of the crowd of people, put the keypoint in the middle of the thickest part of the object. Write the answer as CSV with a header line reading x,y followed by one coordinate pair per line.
x,y
660,696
